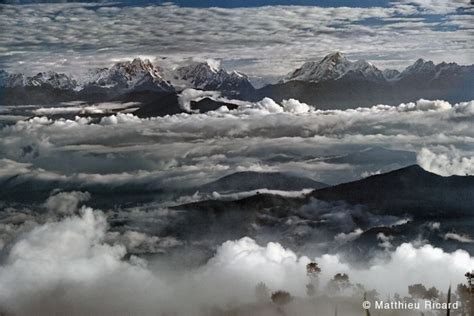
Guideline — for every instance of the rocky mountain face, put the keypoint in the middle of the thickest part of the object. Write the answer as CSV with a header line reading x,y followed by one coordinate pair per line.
x,y
136,80
42,88
128,76
98,85
43,79
333,67
205,77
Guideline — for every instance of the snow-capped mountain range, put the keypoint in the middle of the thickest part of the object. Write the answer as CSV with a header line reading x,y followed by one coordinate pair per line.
x,y
336,82
332,81
136,75
336,66
50,78
204,76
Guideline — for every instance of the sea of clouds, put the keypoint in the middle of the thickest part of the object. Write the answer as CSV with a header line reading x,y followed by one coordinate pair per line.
x,y
63,256
263,136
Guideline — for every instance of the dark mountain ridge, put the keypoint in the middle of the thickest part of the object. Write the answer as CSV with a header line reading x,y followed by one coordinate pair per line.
x,y
248,181
409,191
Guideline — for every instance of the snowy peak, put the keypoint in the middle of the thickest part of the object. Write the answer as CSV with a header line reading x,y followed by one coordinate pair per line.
x,y
135,69
199,75
335,59
365,70
421,64
427,70
336,66
137,74
333,67
420,67
52,79
202,75
49,79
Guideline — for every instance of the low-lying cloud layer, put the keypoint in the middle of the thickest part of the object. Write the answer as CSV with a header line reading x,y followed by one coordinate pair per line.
x,y
73,266
193,149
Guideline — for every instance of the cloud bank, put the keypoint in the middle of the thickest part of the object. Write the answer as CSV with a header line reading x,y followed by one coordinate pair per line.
x,y
268,42
69,265
166,152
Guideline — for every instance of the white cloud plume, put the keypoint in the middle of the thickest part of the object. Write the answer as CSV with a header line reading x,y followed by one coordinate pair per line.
x,y
446,161
343,238
458,237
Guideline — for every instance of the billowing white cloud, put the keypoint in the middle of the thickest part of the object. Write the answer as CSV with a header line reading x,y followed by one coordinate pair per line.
x,y
71,262
446,161
68,260
66,203
295,106
163,152
426,105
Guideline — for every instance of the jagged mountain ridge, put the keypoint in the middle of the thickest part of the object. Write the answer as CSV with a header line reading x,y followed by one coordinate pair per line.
x,y
121,81
248,181
409,191
201,75
332,82
48,78
135,75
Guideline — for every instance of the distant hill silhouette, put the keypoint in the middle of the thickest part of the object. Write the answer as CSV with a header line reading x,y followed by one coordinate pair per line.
x,y
249,180
410,190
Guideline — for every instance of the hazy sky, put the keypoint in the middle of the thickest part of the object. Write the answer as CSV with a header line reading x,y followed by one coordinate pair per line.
x,y
261,37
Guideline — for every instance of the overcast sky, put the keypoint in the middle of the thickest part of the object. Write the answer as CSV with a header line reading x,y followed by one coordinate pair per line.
x,y
260,37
